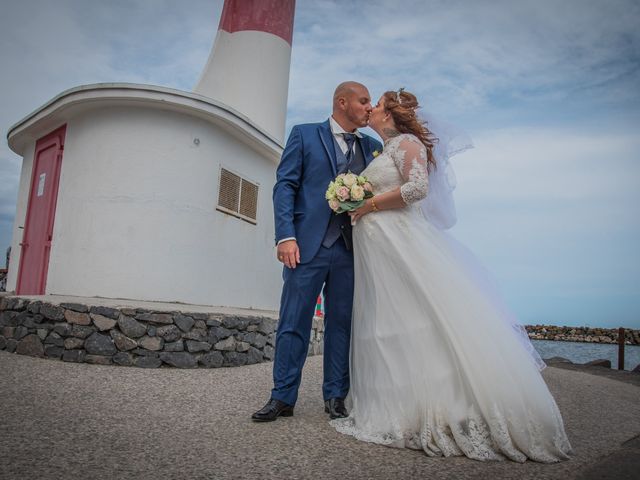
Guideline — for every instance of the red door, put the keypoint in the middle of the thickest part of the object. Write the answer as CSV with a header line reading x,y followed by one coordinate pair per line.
x,y
41,210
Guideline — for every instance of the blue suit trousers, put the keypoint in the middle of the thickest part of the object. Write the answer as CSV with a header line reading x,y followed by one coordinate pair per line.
x,y
332,267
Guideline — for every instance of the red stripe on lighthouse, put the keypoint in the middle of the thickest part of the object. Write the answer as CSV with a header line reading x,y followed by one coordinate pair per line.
x,y
271,16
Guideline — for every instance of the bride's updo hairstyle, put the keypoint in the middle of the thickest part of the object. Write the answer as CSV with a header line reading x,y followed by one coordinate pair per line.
x,y
402,106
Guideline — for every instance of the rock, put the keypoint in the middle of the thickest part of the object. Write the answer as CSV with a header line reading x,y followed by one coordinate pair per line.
x,y
77,318
122,358
73,343
234,359
129,312
269,352
162,318
200,325
106,312
218,333
212,359
144,353
151,343
76,307
8,332
174,346
197,334
170,333
123,342
195,346
20,332
179,359
214,320
147,362
82,331
3,342
557,360
103,323
34,307
599,363
100,344
98,360
15,303
637,369
42,333
252,328
52,351
267,325
76,356
8,319
254,356
30,345
52,312
54,339
271,339
242,347
130,327
11,345
228,344
29,322
152,330
233,322
63,329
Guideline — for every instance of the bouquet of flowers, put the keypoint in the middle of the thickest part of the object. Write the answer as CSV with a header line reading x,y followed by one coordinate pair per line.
x,y
348,192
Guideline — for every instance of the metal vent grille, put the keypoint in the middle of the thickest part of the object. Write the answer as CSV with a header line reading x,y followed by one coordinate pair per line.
x,y
229,194
248,199
238,196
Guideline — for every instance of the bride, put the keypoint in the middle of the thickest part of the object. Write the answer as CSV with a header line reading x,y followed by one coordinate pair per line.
x,y
437,363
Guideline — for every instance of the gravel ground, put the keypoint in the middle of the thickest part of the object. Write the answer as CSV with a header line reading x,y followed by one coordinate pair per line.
x,y
63,420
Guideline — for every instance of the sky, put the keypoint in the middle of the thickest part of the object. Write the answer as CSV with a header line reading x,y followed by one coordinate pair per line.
x,y
549,91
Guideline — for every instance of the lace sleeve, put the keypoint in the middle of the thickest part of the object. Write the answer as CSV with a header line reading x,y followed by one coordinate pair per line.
x,y
411,161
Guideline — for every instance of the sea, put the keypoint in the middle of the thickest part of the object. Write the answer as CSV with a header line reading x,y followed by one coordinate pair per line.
x,y
579,352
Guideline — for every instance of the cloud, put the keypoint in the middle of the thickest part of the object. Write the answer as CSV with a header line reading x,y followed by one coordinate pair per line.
x,y
553,213
465,56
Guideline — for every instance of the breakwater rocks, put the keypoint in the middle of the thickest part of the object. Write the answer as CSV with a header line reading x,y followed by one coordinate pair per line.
x,y
139,337
581,334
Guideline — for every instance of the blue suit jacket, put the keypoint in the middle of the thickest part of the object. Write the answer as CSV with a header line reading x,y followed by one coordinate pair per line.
x,y
307,166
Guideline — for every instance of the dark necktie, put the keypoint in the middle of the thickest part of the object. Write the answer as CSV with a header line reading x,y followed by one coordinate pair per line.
x,y
350,138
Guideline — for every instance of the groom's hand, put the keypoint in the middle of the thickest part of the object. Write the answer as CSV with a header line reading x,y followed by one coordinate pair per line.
x,y
289,253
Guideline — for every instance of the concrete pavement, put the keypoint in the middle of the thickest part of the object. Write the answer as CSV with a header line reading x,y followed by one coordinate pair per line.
x,y
64,420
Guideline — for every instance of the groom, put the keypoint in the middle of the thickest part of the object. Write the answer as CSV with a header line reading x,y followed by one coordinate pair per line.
x,y
314,245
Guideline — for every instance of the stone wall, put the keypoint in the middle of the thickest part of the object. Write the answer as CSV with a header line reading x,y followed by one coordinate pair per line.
x,y
582,334
139,337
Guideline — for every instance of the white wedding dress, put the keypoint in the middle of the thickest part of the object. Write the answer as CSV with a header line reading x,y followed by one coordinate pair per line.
x,y
436,363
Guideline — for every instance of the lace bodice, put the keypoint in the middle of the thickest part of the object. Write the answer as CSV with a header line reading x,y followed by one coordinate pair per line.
x,y
403,163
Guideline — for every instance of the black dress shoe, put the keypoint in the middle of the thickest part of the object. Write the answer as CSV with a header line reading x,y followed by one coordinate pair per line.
x,y
335,408
272,410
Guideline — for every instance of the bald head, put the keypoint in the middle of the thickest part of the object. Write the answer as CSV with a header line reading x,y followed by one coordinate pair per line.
x,y
351,105
346,89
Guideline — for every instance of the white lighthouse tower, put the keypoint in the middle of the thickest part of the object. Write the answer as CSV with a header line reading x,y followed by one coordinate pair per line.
x,y
248,67
148,193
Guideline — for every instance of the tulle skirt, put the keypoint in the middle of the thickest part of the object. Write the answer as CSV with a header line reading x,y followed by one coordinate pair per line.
x,y
436,363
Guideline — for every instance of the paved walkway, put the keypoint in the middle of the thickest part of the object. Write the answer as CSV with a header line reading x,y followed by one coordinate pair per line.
x,y
64,420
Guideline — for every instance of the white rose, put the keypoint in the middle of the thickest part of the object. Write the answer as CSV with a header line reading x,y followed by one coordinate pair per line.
x,y
350,179
357,193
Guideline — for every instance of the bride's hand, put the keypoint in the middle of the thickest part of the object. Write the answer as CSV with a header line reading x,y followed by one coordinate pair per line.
x,y
360,212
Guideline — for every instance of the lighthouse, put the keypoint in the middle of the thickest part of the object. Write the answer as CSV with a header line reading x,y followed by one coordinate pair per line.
x,y
248,67
142,192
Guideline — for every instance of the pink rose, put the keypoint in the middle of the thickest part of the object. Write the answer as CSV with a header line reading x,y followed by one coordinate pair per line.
x,y
334,205
343,194
367,187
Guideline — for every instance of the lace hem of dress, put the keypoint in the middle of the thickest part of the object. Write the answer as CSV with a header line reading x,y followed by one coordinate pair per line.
x,y
473,437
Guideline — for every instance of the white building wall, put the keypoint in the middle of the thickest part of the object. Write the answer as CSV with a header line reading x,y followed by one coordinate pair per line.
x,y
136,215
